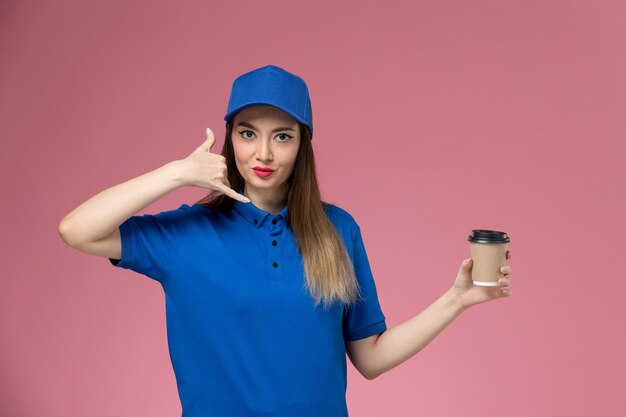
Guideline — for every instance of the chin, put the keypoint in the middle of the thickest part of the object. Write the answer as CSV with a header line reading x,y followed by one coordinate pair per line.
x,y
263,184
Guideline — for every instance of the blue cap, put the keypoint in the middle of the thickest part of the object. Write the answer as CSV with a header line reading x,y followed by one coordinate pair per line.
x,y
273,86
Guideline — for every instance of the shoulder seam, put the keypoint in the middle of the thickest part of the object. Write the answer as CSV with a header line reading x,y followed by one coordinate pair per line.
x,y
182,239
343,213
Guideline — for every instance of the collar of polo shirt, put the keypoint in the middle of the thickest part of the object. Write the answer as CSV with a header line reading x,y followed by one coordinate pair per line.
x,y
255,215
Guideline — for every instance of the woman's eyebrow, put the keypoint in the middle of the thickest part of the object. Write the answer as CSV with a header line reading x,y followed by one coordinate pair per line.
x,y
275,130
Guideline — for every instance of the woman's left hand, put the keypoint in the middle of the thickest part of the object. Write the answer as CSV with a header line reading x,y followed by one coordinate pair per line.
x,y
468,294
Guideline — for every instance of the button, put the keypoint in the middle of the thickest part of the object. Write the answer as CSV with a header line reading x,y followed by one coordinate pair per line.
x,y
274,243
274,264
255,221
274,221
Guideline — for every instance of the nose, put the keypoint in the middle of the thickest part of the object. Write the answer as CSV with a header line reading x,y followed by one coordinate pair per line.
x,y
264,150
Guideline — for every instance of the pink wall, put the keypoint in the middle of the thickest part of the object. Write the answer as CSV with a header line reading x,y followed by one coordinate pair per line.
x,y
484,114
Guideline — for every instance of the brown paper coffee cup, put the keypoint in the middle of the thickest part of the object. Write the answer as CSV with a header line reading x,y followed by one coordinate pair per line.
x,y
488,251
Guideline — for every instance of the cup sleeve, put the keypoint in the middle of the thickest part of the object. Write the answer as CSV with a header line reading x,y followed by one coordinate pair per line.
x,y
151,242
365,318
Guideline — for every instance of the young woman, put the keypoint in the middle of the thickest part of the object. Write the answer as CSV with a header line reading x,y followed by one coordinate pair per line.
x,y
267,286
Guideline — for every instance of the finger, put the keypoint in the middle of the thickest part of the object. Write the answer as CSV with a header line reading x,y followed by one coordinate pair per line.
x,y
465,269
232,193
228,183
210,140
504,281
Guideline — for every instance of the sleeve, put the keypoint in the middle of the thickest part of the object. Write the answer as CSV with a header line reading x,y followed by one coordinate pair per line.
x,y
365,318
151,242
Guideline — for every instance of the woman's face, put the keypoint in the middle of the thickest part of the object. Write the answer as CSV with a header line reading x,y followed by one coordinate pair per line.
x,y
266,137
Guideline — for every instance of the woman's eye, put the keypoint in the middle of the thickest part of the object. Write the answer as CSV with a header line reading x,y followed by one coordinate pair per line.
x,y
245,136
243,133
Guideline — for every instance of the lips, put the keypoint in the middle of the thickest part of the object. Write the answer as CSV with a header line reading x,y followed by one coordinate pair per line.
x,y
262,172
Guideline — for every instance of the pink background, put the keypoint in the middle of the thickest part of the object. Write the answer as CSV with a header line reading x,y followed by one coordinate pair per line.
x,y
431,118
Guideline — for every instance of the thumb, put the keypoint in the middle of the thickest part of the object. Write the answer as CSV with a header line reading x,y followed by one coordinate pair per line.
x,y
466,268
210,140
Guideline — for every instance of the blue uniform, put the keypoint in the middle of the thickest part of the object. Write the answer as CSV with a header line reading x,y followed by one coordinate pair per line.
x,y
244,335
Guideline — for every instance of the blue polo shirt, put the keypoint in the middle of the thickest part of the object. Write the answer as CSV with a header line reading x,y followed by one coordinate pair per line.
x,y
244,336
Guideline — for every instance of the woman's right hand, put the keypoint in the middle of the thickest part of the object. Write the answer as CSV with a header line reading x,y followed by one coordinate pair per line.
x,y
208,170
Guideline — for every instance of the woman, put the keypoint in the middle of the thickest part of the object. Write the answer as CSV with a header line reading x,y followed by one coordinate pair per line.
x,y
267,287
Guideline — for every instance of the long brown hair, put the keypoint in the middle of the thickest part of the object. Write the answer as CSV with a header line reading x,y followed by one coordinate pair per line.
x,y
330,275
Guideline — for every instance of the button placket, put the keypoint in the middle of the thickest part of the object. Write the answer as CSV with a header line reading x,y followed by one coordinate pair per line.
x,y
276,251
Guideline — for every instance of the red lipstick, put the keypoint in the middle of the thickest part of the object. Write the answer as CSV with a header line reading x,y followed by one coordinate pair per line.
x,y
263,172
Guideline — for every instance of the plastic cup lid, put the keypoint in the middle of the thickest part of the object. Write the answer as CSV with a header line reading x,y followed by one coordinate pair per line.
x,y
488,236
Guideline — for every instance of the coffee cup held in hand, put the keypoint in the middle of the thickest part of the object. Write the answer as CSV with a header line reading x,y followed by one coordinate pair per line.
x,y
488,252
